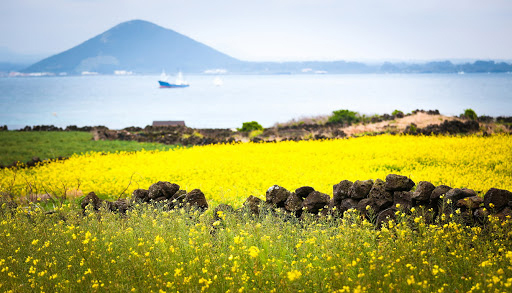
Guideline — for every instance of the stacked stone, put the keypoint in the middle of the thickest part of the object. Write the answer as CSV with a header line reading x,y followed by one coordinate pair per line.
x,y
373,199
166,193
381,199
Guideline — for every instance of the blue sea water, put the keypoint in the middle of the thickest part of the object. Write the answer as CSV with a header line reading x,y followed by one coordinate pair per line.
x,y
122,101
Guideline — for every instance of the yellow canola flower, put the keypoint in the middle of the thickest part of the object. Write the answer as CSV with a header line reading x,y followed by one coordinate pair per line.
x,y
229,173
253,251
293,275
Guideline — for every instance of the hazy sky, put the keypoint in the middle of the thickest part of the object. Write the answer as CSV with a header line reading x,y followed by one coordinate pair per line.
x,y
278,30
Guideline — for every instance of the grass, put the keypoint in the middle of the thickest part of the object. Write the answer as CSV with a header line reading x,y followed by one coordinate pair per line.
x,y
22,146
151,250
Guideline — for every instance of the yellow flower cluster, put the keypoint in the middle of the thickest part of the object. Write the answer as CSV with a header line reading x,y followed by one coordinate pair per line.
x,y
148,250
230,173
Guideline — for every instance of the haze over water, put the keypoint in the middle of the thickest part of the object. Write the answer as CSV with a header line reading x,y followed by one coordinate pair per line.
x,y
122,101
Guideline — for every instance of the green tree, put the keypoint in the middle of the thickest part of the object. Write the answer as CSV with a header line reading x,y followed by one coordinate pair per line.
x,y
344,116
470,114
250,126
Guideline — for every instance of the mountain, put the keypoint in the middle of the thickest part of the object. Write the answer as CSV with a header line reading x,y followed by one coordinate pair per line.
x,y
138,46
143,47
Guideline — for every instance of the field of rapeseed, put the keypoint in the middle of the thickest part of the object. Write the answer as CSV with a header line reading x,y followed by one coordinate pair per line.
x,y
230,173
153,251
150,250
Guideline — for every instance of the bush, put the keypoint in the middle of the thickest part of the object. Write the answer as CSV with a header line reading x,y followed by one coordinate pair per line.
x,y
250,126
398,114
344,116
470,114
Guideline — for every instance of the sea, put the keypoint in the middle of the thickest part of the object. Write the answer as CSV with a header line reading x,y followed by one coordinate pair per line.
x,y
136,100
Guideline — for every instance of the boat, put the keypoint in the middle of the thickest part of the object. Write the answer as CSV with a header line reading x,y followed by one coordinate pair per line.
x,y
179,83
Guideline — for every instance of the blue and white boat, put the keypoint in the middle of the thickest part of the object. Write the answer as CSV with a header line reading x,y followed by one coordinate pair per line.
x,y
179,83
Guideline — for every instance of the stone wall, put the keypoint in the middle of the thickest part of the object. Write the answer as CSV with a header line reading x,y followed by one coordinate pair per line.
x,y
375,199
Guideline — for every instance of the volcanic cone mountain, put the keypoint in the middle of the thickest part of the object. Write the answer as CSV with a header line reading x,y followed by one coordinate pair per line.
x,y
138,46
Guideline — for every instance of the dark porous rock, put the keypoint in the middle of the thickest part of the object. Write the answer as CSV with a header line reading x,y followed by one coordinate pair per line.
x,y
382,198
471,202
196,199
505,214
340,192
277,195
373,205
499,199
455,194
304,191
423,192
362,204
293,203
177,200
481,214
179,195
315,202
348,204
396,182
343,206
467,217
360,189
162,189
162,198
385,216
252,204
120,205
140,195
438,192
403,198
93,200
222,209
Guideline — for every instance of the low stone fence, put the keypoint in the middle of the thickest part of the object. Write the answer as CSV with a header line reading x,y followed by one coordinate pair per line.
x,y
377,199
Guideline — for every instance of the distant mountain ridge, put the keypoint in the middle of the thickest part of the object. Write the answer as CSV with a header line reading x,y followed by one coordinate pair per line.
x,y
138,46
143,47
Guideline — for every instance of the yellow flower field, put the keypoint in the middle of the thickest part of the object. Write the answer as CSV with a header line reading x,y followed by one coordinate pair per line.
x,y
151,249
230,173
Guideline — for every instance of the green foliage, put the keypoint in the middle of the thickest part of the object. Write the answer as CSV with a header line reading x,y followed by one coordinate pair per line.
x,y
413,128
250,126
470,114
397,112
22,146
344,117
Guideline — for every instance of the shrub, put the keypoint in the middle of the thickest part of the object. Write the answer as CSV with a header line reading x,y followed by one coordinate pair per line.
x,y
344,116
470,114
398,113
250,126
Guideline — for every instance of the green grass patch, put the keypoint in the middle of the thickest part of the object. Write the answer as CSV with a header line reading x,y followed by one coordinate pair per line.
x,y
22,146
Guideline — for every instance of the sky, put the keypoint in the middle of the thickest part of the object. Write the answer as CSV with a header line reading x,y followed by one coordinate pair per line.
x,y
278,30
